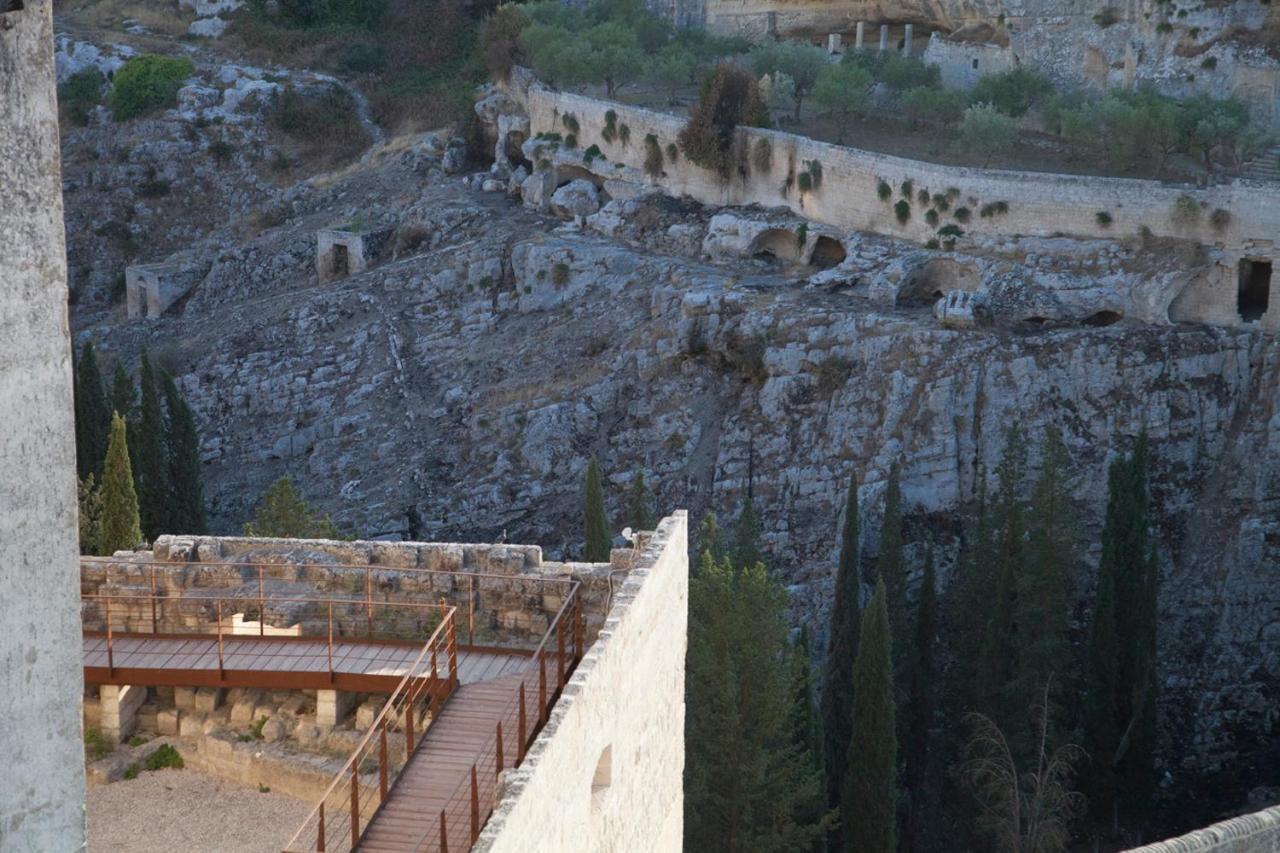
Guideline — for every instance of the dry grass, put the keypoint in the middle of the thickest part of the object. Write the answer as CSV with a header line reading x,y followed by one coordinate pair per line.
x,y
159,17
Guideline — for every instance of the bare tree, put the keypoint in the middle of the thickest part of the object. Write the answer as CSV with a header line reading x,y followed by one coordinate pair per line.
x,y
1023,811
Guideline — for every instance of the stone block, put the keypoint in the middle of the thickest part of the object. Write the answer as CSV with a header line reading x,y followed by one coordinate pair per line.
x,y
243,707
168,721
368,712
118,709
184,698
332,706
274,730
208,699
191,724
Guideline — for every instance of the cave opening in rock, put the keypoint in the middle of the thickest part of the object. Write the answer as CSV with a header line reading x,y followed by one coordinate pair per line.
x,y
512,147
341,261
827,252
1254,292
1103,318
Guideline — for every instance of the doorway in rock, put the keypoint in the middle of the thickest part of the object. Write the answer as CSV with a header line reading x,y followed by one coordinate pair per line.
x,y
1254,291
827,252
341,261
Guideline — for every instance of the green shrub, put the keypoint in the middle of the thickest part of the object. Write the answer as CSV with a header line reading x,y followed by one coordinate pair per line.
x,y
1220,218
907,188
1209,63
901,73
941,202
132,771
255,731
147,83
97,745
931,217
590,154
930,103
610,131
950,230
652,156
570,121
1164,27
560,274
1103,218
883,190
762,155
987,131
804,181
813,168
962,214
165,756
730,97
1012,92
902,210
673,151
1186,210
324,122
1106,18
499,41
802,234
80,94
931,244
624,135
220,150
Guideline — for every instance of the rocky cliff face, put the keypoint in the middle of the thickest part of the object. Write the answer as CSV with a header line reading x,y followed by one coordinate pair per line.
x,y
456,391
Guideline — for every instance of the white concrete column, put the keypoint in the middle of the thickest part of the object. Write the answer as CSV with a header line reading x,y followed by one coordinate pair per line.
x,y
857,38
332,706
906,42
833,43
42,679
120,704
884,37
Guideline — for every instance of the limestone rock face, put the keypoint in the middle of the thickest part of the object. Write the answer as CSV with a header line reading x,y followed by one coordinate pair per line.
x,y
960,309
537,189
576,199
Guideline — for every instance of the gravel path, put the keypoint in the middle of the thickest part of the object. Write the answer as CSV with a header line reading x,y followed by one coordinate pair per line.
x,y
182,811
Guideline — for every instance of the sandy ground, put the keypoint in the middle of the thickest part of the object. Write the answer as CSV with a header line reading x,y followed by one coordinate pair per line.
x,y
182,811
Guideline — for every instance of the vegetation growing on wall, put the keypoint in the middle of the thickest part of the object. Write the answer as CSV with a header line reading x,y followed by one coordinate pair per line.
x,y
730,98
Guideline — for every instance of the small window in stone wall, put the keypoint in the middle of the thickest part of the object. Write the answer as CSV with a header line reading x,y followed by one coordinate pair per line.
x,y
975,65
1253,295
602,778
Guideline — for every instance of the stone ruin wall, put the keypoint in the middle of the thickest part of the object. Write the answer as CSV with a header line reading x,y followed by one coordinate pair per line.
x,y
507,612
1252,833
1039,204
606,773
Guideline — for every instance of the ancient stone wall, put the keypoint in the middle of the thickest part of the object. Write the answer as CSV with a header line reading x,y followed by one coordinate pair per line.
x,y
42,799
1252,833
1238,220
606,771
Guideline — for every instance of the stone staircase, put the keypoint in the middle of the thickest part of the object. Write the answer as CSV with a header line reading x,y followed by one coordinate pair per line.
x,y
1264,167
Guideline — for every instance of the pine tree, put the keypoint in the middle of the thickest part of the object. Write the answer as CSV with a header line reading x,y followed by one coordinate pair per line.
x,y
639,506
869,811
842,650
119,529
1120,698
123,395
922,674
151,468
596,528
748,784
806,728
186,503
93,418
709,539
889,561
283,513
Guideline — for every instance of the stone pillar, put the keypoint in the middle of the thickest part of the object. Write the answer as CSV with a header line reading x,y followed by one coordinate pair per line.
x,y
120,704
332,707
833,43
884,37
42,680
906,41
772,19
857,37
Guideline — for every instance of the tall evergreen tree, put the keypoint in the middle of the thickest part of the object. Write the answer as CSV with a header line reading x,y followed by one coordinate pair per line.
x,y
806,728
123,394
1120,698
842,650
93,418
186,503
1041,614
749,785
640,505
151,467
922,674
889,561
284,513
119,529
598,542
869,811
746,536
90,500
709,539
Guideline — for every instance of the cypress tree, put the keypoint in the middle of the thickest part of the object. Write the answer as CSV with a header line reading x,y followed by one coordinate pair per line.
x,y
90,500
842,650
639,507
889,561
1120,696
920,711
709,539
806,729
596,528
748,784
186,506
123,395
746,536
119,529
151,468
93,418
869,811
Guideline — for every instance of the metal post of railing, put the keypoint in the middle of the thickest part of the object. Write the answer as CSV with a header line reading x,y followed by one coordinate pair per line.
x,y
355,803
262,605
154,629
408,724
523,727
368,599
444,834
471,612
542,687
111,660
382,758
580,628
451,637
320,831
475,806
221,671
330,641
560,651
498,767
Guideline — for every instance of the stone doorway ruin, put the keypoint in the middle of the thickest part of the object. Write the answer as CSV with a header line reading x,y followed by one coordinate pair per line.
x,y
827,252
1253,295
341,261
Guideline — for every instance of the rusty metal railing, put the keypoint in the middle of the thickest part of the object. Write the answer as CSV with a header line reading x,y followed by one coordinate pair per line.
x,y
553,662
364,782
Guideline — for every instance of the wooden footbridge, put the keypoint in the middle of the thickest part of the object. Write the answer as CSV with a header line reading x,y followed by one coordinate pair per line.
x,y
424,777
